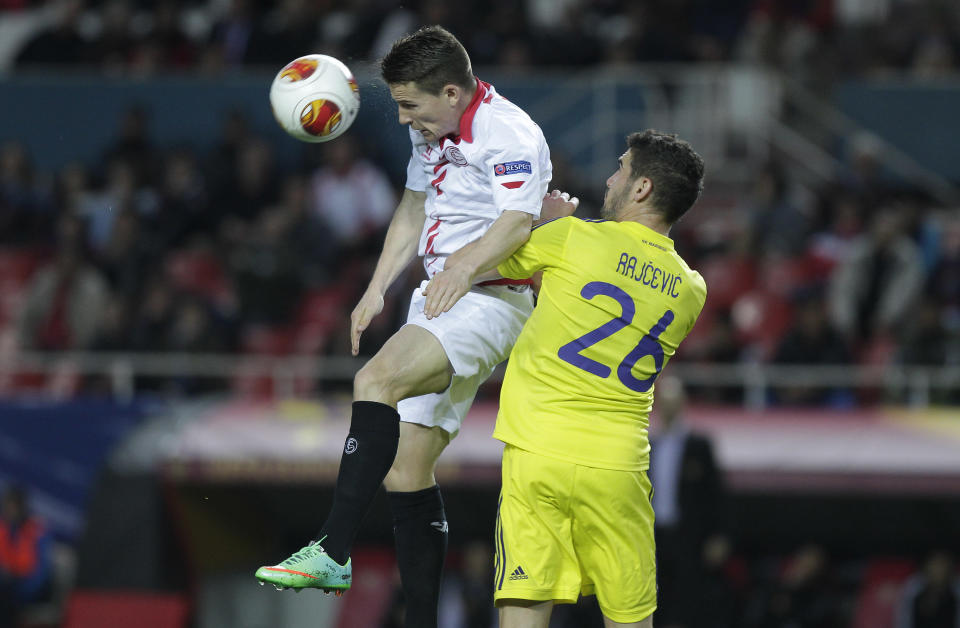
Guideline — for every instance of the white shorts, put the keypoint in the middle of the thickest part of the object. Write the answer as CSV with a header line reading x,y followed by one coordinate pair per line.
x,y
477,335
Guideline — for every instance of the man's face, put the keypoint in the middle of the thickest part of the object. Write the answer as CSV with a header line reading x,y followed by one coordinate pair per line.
x,y
432,115
618,188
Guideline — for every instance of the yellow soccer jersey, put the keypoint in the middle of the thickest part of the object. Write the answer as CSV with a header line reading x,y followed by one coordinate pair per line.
x,y
616,301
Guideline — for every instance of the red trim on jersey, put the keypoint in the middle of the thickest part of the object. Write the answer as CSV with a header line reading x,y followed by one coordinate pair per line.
x,y
440,165
512,185
481,95
507,282
436,182
432,234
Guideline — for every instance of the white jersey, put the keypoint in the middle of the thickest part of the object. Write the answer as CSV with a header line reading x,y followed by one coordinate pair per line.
x,y
500,161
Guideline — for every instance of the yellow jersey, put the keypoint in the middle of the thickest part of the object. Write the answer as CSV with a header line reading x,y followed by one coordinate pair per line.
x,y
615,302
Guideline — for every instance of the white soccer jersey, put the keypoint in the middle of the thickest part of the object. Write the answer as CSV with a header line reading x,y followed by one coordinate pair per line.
x,y
500,161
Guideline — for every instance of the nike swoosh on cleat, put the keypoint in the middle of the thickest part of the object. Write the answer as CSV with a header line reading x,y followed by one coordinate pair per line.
x,y
299,573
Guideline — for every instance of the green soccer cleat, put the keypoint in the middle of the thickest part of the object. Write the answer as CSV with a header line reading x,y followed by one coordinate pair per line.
x,y
311,568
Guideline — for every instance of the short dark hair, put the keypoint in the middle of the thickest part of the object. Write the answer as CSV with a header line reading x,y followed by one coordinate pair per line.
x,y
431,58
674,167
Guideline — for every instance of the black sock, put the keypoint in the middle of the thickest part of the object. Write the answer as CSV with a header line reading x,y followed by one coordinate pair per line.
x,y
420,527
368,454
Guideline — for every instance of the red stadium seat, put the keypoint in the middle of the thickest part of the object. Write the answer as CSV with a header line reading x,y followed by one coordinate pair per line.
x,y
16,267
729,277
321,312
876,603
199,272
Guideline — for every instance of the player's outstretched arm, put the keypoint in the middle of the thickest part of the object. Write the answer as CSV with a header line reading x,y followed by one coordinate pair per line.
x,y
503,237
399,248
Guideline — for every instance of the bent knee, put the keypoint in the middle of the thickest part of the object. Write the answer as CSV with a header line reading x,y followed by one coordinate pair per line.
x,y
371,383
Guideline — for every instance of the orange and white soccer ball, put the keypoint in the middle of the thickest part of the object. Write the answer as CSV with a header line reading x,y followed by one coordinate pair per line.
x,y
315,98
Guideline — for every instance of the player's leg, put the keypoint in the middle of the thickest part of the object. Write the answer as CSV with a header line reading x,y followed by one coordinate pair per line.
x,y
536,565
525,614
613,536
419,520
476,334
412,362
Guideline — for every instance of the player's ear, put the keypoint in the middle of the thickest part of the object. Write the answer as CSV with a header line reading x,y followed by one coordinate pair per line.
x,y
642,189
453,93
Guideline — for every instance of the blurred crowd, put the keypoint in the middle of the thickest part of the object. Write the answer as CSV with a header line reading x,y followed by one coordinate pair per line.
x,y
176,251
808,587
817,39
154,249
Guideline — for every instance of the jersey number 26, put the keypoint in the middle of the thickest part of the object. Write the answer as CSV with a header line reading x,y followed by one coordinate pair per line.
x,y
648,345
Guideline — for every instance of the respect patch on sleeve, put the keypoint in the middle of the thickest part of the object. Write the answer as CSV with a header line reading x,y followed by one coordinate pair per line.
x,y
512,167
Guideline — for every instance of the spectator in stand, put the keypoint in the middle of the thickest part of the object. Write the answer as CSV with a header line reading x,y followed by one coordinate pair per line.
x,y
24,212
114,330
720,346
286,32
127,256
112,49
776,223
230,37
689,503
154,318
25,556
801,593
352,196
194,329
133,145
864,177
944,284
252,186
184,203
841,221
220,164
931,598
118,194
165,46
811,340
318,264
873,287
266,271
59,44
65,298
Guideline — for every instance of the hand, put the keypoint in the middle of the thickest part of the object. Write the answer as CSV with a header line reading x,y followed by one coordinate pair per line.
x,y
371,304
557,204
445,289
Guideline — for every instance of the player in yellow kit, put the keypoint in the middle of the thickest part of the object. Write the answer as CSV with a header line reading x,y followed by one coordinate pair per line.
x,y
575,515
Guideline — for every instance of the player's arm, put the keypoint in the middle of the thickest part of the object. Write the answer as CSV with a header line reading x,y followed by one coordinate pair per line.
x,y
504,236
399,248
556,204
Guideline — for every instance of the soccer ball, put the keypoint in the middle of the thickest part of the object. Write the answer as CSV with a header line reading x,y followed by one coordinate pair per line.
x,y
315,98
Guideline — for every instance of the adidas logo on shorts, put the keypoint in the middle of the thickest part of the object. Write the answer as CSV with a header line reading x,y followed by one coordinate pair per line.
x,y
518,574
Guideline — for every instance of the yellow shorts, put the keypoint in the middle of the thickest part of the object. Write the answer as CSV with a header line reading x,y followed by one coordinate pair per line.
x,y
564,530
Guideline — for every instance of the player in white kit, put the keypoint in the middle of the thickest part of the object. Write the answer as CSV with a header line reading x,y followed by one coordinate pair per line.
x,y
477,175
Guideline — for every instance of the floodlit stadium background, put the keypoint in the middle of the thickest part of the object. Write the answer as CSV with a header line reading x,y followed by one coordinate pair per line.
x,y
178,419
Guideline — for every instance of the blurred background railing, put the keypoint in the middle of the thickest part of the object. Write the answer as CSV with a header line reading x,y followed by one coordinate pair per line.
x,y
63,373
